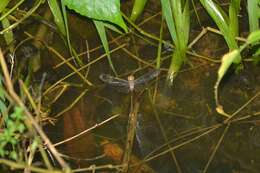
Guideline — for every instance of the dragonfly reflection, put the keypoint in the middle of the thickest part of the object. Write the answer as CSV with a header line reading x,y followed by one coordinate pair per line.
x,y
131,84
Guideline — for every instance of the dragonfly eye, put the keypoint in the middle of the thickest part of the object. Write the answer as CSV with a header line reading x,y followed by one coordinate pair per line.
x,y
130,78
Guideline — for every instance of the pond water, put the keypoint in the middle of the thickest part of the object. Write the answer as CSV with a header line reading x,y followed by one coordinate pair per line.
x,y
177,128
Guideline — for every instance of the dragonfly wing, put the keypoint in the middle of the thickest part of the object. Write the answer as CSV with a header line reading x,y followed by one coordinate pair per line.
x,y
147,77
120,84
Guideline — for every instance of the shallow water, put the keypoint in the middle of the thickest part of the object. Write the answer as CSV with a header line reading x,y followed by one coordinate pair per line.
x,y
171,114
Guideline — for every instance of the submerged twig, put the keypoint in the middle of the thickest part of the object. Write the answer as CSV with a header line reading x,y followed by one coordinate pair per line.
x,y
165,137
242,107
130,136
183,143
87,130
215,149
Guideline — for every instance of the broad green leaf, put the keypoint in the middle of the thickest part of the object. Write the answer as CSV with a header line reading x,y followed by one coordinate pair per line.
x,y
105,10
102,34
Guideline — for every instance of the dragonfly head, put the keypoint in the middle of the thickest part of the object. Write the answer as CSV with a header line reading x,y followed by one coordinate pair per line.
x,y
131,78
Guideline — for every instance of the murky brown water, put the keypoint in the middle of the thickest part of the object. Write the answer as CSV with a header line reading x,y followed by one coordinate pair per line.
x,y
174,115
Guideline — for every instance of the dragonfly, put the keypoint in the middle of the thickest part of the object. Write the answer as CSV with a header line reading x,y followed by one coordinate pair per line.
x,y
131,84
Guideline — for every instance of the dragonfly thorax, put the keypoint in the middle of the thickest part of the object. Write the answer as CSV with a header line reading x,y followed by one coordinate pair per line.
x,y
131,82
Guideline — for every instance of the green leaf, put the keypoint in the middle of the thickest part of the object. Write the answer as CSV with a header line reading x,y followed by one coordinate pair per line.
x,y
113,28
223,23
102,34
217,14
233,15
105,10
253,14
227,60
254,37
3,4
13,155
58,19
167,14
176,62
21,128
8,36
137,9
178,12
257,52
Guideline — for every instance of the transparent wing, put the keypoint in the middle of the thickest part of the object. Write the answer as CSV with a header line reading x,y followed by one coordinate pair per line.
x,y
119,84
146,77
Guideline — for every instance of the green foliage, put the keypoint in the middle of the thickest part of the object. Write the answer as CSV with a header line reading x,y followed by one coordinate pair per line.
x,y
3,4
253,7
177,16
102,34
137,9
105,10
13,127
55,9
8,36
228,25
102,12
12,132
254,38
3,107
228,59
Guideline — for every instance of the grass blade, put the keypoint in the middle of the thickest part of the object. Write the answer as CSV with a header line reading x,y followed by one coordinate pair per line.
x,y
58,19
167,14
137,9
102,34
233,15
253,14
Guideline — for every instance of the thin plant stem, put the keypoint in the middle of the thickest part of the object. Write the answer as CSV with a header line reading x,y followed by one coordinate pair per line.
x,y
69,64
16,165
87,130
215,149
164,135
130,134
182,144
242,107
31,119
28,14
82,68
72,104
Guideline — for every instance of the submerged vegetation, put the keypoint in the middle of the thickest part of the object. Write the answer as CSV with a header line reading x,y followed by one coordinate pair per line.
x,y
53,52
